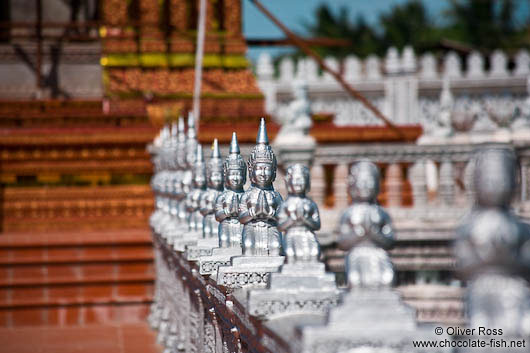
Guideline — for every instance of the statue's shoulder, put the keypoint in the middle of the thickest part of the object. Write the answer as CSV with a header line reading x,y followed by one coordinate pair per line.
x,y
381,210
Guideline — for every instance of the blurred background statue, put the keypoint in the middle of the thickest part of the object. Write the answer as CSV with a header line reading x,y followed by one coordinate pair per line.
x,y
298,218
297,120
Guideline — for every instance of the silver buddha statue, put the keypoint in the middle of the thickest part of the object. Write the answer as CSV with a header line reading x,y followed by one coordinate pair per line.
x,y
227,203
302,279
180,189
298,218
186,155
227,213
371,316
174,180
252,265
492,248
155,180
214,176
193,199
164,180
259,204
365,230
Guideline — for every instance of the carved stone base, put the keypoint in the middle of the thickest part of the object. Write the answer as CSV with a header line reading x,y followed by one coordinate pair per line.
x,y
203,247
248,271
172,227
187,239
220,257
297,289
375,319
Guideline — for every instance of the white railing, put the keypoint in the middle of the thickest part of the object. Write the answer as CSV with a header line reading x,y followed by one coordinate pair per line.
x,y
407,88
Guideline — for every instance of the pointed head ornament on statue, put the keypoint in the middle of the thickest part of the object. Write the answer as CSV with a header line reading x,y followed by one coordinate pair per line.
x,y
234,167
214,168
262,161
199,169
181,144
191,142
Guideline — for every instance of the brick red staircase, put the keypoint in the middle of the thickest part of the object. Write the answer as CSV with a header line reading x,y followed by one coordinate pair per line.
x,y
72,278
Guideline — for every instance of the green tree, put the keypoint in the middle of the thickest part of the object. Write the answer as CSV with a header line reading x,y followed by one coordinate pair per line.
x,y
481,24
485,24
409,24
364,39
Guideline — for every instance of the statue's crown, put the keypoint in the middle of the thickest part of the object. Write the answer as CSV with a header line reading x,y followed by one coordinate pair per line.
x,y
199,167
191,142
234,160
216,162
262,152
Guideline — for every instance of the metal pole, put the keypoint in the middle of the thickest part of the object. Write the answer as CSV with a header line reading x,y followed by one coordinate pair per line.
x,y
198,63
308,51
39,44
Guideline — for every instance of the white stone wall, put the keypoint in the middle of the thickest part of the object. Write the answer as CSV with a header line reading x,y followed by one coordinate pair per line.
x,y
406,88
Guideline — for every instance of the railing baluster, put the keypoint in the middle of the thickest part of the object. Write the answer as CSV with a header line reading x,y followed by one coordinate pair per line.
x,y
318,184
419,184
447,183
340,189
394,184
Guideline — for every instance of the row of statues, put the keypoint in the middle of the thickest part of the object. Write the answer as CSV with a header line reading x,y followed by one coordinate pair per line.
x,y
209,197
207,200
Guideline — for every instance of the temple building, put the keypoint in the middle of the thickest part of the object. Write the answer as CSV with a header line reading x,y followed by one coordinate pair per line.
x,y
84,87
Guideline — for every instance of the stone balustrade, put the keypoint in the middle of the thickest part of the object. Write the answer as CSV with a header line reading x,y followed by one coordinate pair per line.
x,y
422,184
407,88
254,302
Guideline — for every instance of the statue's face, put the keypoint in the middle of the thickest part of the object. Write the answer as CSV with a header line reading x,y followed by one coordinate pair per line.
x,y
262,174
364,187
199,179
181,157
216,179
235,178
191,153
297,184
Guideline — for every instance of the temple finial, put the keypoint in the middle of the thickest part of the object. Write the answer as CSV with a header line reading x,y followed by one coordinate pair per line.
x,y
262,133
234,146
215,149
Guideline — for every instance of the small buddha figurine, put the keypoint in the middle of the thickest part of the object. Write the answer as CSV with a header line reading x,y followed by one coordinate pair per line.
x,y
297,121
214,176
227,203
180,191
298,218
175,178
189,158
492,248
259,204
194,197
365,230
164,180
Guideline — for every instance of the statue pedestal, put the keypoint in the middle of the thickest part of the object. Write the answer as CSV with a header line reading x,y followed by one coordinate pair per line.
x,y
176,233
187,239
203,247
303,288
219,257
248,271
375,318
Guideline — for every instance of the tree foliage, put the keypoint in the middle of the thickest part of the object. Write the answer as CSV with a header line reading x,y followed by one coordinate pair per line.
x,y
484,25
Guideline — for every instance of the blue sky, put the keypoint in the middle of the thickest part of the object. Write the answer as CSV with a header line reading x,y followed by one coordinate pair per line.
x,y
294,13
